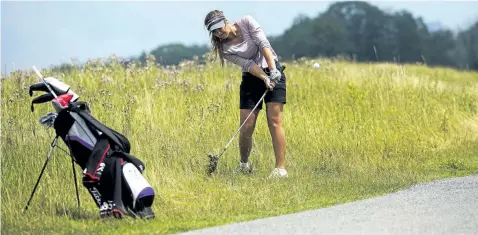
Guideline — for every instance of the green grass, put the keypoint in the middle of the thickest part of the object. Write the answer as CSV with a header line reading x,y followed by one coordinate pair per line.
x,y
353,131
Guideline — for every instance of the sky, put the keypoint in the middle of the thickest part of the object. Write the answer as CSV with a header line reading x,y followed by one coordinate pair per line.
x,y
44,33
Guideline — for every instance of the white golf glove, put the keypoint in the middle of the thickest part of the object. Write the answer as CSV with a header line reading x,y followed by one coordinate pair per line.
x,y
275,75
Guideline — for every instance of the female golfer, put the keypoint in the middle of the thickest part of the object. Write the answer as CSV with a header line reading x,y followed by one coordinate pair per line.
x,y
244,43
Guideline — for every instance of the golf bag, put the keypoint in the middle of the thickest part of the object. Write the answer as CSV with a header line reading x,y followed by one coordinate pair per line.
x,y
111,174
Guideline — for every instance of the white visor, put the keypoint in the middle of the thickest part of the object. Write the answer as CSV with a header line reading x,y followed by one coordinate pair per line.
x,y
217,25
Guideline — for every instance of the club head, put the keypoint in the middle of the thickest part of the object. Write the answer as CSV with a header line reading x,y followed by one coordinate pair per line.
x,y
48,120
213,159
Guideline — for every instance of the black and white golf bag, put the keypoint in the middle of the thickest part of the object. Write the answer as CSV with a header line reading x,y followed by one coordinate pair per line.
x,y
111,174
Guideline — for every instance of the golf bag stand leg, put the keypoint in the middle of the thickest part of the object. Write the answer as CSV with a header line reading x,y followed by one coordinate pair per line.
x,y
52,145
76,182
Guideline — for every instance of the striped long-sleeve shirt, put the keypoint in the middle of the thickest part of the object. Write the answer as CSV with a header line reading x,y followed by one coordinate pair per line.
x,y
249,51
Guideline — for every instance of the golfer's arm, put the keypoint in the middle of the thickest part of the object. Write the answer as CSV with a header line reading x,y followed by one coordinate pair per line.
x,y
259,37
267,52
257,71
247,65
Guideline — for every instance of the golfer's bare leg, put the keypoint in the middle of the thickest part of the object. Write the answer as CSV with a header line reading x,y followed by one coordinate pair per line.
x,y
274,115
245,135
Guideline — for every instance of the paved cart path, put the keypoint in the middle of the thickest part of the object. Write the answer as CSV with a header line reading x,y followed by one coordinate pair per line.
x,y
448,206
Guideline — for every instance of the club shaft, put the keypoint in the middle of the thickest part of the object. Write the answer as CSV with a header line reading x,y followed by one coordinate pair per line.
x,y
247,118
43,80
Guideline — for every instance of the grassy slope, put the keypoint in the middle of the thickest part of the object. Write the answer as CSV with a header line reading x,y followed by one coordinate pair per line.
x,y
353,131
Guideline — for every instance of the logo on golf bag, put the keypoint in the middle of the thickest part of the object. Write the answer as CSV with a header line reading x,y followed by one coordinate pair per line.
x,y
96,194
106,209
100,169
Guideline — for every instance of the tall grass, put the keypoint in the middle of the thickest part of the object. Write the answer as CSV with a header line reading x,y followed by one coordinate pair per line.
x,y
353,131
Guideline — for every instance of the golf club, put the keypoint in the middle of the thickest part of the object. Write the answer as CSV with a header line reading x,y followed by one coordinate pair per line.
x,y
213,159
43,80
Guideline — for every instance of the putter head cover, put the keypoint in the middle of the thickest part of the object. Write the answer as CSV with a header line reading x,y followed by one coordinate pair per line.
x,y
212,163
58,87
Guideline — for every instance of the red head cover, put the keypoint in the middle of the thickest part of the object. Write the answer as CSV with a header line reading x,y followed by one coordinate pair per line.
x,y
63,100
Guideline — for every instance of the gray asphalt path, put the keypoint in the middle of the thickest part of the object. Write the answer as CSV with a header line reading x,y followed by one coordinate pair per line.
x,y
447,206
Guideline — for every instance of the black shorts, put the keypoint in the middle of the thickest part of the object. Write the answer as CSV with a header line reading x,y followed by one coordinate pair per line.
x,y
252,88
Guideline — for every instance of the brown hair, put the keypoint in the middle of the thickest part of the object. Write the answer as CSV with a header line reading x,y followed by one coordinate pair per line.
x,y
215,41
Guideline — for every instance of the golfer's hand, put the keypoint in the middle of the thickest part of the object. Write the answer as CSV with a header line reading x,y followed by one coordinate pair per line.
x,y
269,84
275,75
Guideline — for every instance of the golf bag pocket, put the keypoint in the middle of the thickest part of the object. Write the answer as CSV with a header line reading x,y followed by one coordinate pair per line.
x,y
141,190
108,190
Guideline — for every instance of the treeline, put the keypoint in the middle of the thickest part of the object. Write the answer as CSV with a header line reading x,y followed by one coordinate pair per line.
x,y
363,32
358,31
174,53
